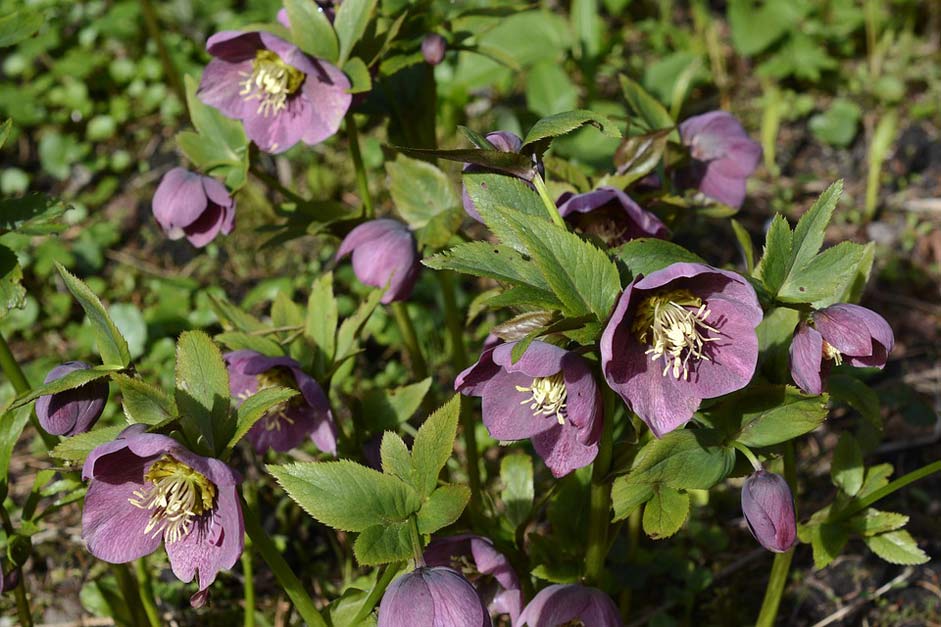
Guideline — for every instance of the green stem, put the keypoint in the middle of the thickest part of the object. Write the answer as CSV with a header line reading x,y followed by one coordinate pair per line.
x,y
888,489
375,595
282,571
633,541
407,329
782,561
744,450
553,211
417,544
130,592
154,32
15,374
274,183
22,594
249,585
361,180
599,513
146,590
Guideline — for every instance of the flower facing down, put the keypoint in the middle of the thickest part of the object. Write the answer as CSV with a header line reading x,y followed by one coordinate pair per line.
x,y
282,95
147,488
432,597
723,156
610,215
288,424
677,336
769,511
570,604
73,411
433,47
549,396
384,253
190,205
504,141
840,333
486,568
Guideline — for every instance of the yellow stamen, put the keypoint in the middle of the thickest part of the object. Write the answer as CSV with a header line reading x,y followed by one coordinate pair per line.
x,y
271,82
675,322
279,376
176,495
831,353
547,396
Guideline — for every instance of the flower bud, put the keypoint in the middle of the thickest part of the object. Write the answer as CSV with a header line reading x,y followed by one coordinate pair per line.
x,y
432,597
769,511
190,205
433,47
73,411
570,604
384,253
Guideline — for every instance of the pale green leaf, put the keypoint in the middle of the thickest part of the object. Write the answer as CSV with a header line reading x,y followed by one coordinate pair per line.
x,y
111,343
665,512
434,443
442,508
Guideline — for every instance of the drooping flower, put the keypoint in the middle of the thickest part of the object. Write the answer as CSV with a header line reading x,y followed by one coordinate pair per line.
x,y
147,488
190,205
433,47
486,568
384,253
504,141
610,215
723,156
840,333
432,597
679,335
548,396
288,424
73,411
570,604
282,95
769,510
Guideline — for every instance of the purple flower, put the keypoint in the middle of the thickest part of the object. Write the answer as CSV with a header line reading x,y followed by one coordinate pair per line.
x,y
282,95
433,47
839,333
73,411
488,569
504,141
570,605
384,253
195,206
723,154
432,597
677,336
146,488
10,580
769,511
548,396
286,425
610,215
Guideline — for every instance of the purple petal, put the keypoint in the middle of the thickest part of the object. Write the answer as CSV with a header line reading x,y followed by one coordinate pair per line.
x,y
277,132
807,359
473,380
206,227
539,360
112,528
179,200
583,399
562,451
234,46
768,507
560,604
506,411
432,597
383,253
327,92
220,87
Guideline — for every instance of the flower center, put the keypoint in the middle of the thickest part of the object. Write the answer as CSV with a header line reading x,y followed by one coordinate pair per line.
x,y
175,496
674,325
547,396
271,82
831,353
279,376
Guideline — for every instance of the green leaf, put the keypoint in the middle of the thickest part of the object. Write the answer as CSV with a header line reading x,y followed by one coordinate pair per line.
x,y
312,31
897,547
685,459
548,128
111,343
347,496
350,328
638,155
847,468
549,90
654,114
232,317
755,28
350,22
516,475
857,395
838,125
255,407
396,458
665,513
877,477
626,496
381,544
873,521
647,254
320,324
74,379
32,214
212,125
493,193
236,340
810,230
77,447
5,131
358,73
387,408
12,423
419,190
765,415
831,272
18,26
202,392
509,162
442,508
12,292
776,259
434,443
143,402
827,541
745,244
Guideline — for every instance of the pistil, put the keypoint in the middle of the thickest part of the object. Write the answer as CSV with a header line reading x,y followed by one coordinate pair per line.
x,y
674,325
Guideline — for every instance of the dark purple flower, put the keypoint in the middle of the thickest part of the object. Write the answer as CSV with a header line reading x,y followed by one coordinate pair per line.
x,y
610,215
282,95
195,206
488,569
769,511
73,411
840,333
287,425
723,154
433,47
548,396
145,488
677,336
384,253
432,597
504,141
570,604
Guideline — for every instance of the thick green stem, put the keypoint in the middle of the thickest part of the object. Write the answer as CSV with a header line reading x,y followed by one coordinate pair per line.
x,y
275,184
375,595
553,211
407,329
744,450
599,512
418,547
362,181
146,590
130,592
888,489
15,374
249,585
782,561
154,32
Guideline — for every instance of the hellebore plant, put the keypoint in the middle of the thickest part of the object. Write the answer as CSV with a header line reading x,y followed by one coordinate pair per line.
x,y
432,597
73,411
190,205
384,254
504,141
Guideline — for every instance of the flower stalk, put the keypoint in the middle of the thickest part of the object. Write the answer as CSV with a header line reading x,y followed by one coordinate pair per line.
x,y
389,571
410,337
145,589
599,513
362,181
782,561
543,192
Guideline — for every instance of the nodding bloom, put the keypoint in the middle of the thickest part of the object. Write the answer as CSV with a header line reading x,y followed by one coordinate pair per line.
x,y
433,47
73,411
840,333
610,215
288,424
548,396
769,511
570,604
432,597
146,488
194,206
384,253
504,141
679,335
486,568
282,95
723,157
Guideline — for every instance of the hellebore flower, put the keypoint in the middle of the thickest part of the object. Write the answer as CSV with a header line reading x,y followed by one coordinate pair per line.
x,y
504,141
195,206
384,253
486,568
432,597
723,154
610,215
73,411
839,333
146,488
282,95
769,511
433,47
679,335
286,425
548,396
570,604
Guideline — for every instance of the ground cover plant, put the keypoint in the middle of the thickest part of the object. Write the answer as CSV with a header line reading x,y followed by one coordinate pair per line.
x,y
261,260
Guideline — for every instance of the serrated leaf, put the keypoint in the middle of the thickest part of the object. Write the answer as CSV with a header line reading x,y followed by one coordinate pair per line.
x,y
434,443
12,292
775,261
111,344
320,324
77,447
827,541
255,407
646,254
516,475
396,458
765,415
510,162
212,124
384,408
665,512
381,544
32,214
312,31
74,379
202,392
442,508
873,521
548,128
494,261
350,22
847,468
236,340
626,496
648,108
897,547
877,477
830,272
812,226
143,402
685,459
350,328
419,190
